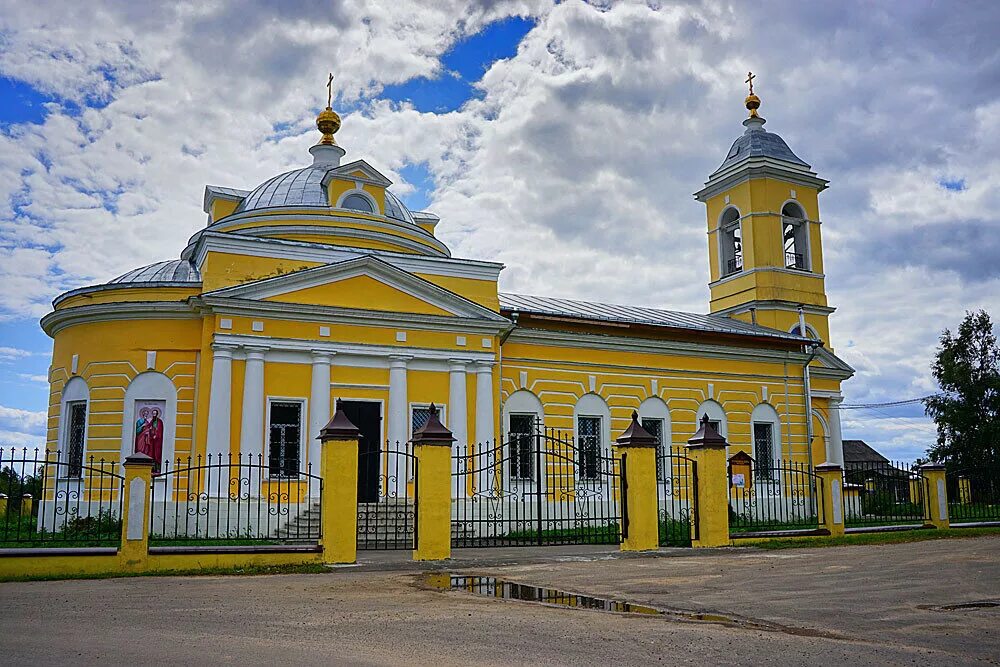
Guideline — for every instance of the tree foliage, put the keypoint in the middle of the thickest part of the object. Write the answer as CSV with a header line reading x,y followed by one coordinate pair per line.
x,y
967,411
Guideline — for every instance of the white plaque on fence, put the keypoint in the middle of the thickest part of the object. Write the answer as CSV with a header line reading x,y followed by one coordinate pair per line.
x,y
838,506
136,509
739,480
942,501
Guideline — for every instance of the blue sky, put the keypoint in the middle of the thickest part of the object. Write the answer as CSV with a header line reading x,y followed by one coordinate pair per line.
x,y
562,139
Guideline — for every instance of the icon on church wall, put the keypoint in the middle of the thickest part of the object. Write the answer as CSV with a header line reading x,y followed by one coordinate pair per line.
x,y
149,430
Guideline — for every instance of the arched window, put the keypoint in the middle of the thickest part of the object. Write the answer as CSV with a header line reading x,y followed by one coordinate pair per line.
x,y
810,332
716,416
731,242
73,428
592,419
655,418
523,419
150,418
357,202
766,441
794,231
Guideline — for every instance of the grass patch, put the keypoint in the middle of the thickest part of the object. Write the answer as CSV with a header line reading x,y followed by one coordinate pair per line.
x,y
861,539
21,532
597,534
250,570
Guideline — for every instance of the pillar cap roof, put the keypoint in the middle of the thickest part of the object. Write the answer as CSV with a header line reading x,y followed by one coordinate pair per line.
x,y
707,436
339,427
636,436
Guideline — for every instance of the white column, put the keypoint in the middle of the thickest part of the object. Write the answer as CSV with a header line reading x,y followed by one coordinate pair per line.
x,y
398,422
220,401
458,413
484,422
252,416
319,413
835,453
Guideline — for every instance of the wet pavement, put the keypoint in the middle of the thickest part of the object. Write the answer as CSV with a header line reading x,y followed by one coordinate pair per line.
x,y
920,603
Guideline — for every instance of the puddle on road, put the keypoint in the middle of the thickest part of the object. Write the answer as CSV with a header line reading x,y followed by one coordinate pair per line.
x,y
498,588
964,606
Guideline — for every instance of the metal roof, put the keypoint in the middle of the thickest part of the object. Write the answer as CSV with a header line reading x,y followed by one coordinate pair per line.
x,y
606,312
304,187
172,271
758,142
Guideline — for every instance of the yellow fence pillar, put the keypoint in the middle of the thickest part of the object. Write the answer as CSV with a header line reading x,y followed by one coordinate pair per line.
x,y
708,449
964,490
3,504
432,448
27,504
831,498
133,555
339,470
937,494
641,514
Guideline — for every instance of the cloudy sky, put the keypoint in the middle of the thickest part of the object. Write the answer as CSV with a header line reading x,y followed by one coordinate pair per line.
x,y
563,140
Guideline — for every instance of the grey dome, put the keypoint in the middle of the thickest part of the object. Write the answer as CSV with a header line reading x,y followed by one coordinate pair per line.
x,y
173,271
304,187
758,142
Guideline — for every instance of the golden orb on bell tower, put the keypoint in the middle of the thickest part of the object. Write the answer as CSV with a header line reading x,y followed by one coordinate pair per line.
x,y
752,101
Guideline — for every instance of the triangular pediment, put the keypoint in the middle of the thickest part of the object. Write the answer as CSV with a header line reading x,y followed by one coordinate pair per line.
x,y
364,283
832,365
359,170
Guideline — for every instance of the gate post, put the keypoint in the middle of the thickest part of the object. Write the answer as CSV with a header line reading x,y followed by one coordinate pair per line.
x,y
638,447
937,495
339,470
134,550
708,449
432,448
831,494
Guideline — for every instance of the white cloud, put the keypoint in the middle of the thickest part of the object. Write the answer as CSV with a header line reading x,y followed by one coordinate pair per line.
x,y
9,353
576,166
28,422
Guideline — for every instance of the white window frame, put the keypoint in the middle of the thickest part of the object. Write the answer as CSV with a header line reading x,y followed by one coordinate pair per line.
x,y
442,409
76,390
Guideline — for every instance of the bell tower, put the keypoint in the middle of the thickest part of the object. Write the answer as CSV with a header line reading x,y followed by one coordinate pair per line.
x,y
765,249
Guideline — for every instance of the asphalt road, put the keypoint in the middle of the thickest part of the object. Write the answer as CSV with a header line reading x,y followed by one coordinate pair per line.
x,y
847,605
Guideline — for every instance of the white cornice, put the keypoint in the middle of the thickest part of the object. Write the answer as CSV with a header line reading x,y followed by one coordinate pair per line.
x,y
315,252
350,232
767,269
772,304
58,320
350,316
308,347
369,220
759,167
646,346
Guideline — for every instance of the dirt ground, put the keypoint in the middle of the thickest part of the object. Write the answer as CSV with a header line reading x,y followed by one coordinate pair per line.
x,y
845,605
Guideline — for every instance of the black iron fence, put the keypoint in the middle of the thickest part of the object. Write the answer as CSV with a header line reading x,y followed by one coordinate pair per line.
x,y
50,500
974,494
387,507
537,488
773,496
884,493
677,497
233,499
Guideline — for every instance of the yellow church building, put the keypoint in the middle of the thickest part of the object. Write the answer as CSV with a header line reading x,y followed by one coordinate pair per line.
x,y
319,285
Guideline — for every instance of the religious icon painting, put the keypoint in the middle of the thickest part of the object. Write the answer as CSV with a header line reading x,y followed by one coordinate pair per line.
x,y
149,430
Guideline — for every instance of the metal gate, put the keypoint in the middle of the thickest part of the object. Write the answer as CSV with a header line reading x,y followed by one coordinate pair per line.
x,y
773,496
387,507
974,494
677,498
884,493
537,488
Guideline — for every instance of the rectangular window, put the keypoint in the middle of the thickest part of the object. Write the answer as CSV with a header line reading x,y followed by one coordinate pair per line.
x,y
521,440
763,449
284,439
655,428
418,418
588,430
76,423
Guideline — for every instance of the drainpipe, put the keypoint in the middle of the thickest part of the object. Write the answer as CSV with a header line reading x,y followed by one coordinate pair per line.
x,y
504,335
811,348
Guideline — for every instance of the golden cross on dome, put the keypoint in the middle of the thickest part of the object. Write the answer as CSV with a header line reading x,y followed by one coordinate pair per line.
x,y
750,78
329,90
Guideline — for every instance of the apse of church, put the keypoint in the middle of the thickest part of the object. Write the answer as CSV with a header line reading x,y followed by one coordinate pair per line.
x,y
320,285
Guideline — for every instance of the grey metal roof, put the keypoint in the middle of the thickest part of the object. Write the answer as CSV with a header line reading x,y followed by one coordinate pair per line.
x,y
173,271
758,142
607,312
304,187
232,192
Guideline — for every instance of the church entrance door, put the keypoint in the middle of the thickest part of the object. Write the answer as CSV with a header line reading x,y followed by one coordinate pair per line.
x,y
367,416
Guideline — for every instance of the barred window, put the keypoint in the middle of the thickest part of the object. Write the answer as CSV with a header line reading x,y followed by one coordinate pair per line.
x,y
763,448
588,431
655,428
521,440
418,418
76,432
285,439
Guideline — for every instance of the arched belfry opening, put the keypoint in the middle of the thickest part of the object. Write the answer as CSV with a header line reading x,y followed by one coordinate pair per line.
x,y
794,233
731,239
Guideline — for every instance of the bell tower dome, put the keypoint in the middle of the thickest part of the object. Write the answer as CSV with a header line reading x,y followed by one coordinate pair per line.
x,y
765,249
